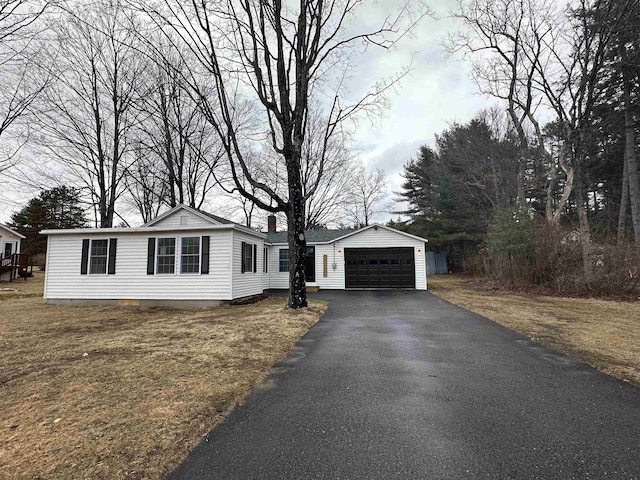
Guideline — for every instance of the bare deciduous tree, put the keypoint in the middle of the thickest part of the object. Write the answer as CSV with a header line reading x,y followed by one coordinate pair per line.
x,y
20,86
87,114
278,55
367,195
510,41
174,131
146,184
545,55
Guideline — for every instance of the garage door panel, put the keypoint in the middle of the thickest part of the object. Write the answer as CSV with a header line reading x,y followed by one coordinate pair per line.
x,y
391,267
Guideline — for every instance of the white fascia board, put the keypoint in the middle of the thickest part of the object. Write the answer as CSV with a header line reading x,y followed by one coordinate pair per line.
x,y
133,230
375,226
12,232
181,206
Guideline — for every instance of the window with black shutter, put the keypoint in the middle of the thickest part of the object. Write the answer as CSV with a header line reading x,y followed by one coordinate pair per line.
x,y
113,244
204,267
98,256
255,258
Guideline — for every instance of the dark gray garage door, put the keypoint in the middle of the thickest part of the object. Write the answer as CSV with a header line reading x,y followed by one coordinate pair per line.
x,y
380,267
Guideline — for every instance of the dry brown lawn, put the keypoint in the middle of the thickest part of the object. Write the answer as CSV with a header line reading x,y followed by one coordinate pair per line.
x,y
109,393
603,333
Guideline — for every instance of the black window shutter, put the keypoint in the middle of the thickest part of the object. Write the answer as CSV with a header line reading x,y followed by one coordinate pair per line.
x,y
113,243
255,258
242,262
85,257
204,267
151,255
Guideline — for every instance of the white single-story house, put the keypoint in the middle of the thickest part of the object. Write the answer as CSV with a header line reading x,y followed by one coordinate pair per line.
x,y
189,257
9,246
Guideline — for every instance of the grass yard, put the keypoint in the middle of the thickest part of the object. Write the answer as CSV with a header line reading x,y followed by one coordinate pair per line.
x,y
109,393
603,333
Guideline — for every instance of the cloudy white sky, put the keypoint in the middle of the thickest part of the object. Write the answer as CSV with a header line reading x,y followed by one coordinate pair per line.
x,y
434,94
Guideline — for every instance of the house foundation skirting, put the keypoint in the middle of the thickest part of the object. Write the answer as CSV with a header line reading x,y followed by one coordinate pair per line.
x,y
128,302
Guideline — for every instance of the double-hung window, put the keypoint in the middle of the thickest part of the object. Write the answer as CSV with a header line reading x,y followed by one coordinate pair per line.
x,y
178,255
98,255
248,257
190,255
166,256
283,260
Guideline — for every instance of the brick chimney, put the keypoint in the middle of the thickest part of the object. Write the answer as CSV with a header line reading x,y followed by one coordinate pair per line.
x,y
271,224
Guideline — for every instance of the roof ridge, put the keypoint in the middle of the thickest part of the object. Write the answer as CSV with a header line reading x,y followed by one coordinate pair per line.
x,y
216,217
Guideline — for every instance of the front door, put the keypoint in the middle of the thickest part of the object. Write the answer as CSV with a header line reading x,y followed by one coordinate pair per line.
x,y
310,265
8,249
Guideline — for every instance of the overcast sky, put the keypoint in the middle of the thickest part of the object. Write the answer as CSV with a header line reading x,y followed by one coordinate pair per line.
x,y
437,92
434,94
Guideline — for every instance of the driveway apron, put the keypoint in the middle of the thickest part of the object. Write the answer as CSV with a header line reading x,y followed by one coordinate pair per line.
x,y
401,384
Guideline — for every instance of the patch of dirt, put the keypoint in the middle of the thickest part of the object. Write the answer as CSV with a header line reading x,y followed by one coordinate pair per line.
x,y
113,393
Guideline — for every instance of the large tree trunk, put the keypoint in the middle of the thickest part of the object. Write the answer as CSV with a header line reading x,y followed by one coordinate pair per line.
x,y
624,200
630,149
296,239
297,254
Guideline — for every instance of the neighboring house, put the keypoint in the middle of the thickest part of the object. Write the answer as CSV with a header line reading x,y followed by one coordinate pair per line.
x,y
9,247
188,257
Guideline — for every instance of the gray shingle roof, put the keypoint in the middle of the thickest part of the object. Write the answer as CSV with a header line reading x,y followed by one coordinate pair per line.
x,y
216,218
313,236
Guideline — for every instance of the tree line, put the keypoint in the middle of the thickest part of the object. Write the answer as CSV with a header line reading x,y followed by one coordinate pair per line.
x,y
561,145
143,105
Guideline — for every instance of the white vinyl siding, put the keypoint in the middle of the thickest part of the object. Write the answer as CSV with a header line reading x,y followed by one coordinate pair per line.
x,y
335,279
250,282
183,219
266,269
63,279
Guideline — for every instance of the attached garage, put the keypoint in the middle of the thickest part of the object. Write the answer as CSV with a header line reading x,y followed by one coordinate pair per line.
x,y
390,267
372,257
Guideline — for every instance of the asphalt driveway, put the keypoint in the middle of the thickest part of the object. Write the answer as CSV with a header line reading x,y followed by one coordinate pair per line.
x,y
399,384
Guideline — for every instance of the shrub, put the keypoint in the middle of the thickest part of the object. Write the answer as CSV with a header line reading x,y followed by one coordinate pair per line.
x,y
554,258
510,244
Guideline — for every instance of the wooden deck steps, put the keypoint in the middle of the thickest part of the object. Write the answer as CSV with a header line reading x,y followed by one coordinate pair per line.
x,y
18,265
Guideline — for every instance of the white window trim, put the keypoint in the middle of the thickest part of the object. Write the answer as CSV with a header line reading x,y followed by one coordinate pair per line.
x,y
177,258
157,255
253,249
288,258
106,265
4,246
179,253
